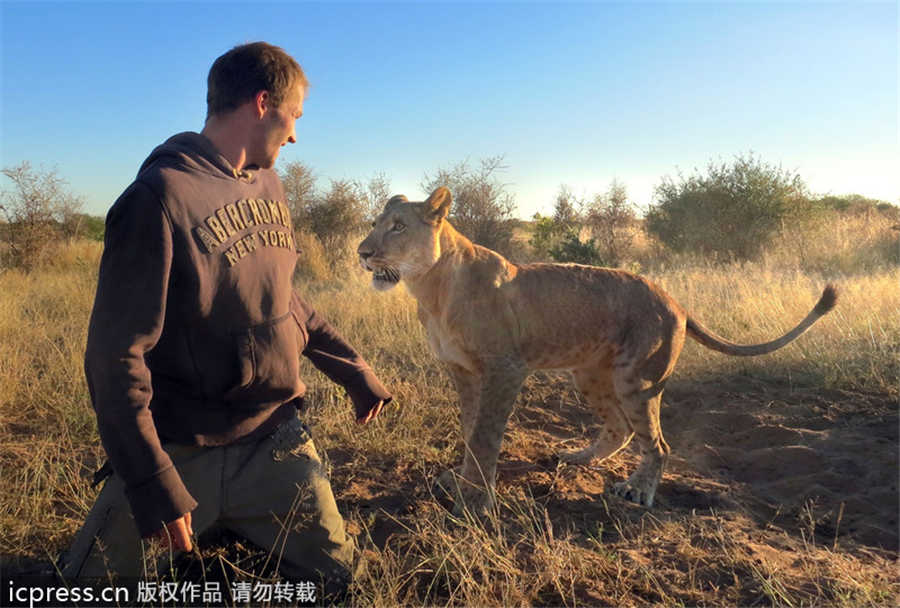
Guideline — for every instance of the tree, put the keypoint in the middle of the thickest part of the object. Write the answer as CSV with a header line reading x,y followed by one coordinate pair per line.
x,y
373,194
610,217
38,211
340,214
351,201
482,208
565,210
732,212
333,218
550,231
299,183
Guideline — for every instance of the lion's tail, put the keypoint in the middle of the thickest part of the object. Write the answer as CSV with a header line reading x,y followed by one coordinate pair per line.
x,y
714,342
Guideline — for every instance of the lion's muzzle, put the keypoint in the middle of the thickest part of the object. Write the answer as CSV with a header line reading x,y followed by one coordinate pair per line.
x,y
383,276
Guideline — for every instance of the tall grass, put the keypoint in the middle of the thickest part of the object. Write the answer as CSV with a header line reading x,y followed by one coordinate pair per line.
x,y
849,244
855,346
46,421
832,245
531,551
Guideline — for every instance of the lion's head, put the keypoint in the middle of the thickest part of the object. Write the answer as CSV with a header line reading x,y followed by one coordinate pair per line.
x,y
404,242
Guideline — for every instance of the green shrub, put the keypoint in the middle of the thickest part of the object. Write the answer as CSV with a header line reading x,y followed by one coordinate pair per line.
x,y
546,235
573,249
732,212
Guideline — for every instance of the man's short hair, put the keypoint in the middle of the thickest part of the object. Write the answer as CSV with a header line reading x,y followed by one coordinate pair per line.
x,y
238,75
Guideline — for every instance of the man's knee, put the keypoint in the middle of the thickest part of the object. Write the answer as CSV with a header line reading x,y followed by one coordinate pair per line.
x,y
107,543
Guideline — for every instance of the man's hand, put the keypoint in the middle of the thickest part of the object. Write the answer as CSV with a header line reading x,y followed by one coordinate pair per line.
x,y
176,534
371,415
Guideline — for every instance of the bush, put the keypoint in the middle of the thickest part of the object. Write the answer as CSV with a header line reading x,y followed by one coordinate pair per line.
x,y
858,205
335,217
609,220
838,242
482,208
39,210
612,222
549,232
732,212
300,193
91,227
573,249
545,236
566,214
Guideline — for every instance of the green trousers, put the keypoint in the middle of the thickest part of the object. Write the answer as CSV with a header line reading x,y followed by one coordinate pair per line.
x,y
273,492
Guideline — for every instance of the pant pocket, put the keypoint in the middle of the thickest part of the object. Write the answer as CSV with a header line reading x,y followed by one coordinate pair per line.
x,y
293,439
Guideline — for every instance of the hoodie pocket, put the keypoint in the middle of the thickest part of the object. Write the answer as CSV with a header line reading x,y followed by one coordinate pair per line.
x,y
268,363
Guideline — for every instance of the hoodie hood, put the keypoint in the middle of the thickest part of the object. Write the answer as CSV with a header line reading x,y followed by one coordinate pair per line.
x,y
194,152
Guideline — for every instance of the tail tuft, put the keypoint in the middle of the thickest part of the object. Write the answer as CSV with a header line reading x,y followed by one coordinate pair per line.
x,y
827,301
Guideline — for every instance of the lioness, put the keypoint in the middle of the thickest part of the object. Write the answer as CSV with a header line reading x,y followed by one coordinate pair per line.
x,y
492,322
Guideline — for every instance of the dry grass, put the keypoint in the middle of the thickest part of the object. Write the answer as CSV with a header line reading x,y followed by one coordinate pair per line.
x,y
856,346
47,425
546,544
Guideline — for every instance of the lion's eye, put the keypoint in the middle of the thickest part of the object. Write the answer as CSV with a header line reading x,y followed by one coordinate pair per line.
x,y
399,227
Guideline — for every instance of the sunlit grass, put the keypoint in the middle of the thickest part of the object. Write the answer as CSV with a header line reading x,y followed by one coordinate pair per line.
x,y
613,556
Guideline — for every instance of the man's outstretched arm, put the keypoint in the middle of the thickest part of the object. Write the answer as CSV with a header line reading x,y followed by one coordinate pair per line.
x,y
334,356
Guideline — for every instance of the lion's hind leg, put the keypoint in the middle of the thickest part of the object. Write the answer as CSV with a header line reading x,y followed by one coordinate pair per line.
x,y
642,364
641,407
596,387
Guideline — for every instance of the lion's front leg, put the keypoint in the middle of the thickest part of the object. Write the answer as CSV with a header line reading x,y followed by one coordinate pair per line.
x,y
468,392
499,386
468,388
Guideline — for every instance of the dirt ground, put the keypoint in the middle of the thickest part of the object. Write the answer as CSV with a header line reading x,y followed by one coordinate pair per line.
x,y
775,454
743,444
783,468
778,468
831,455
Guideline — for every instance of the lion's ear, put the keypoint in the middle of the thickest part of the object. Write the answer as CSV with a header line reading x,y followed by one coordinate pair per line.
x,y
396,200
438,204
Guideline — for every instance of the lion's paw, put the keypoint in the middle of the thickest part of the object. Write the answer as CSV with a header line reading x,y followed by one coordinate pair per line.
x,y
634,492
448,480
476,501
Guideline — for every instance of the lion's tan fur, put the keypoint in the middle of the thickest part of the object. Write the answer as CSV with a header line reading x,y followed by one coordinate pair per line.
x,y
492,322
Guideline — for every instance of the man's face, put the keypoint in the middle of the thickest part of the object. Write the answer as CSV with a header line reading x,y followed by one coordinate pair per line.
x,y
277,128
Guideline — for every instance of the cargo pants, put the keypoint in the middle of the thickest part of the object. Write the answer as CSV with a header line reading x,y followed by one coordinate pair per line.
x,y
273,492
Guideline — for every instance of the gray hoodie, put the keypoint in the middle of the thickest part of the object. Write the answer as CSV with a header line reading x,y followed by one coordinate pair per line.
x,y
196,332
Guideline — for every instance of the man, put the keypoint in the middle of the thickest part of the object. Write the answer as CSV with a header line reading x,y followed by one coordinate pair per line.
x,y
193,347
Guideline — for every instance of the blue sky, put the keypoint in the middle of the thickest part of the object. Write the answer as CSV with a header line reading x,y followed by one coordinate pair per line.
x,y
575,94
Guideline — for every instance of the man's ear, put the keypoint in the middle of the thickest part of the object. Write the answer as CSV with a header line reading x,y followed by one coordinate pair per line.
x,y
262,102
438,205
